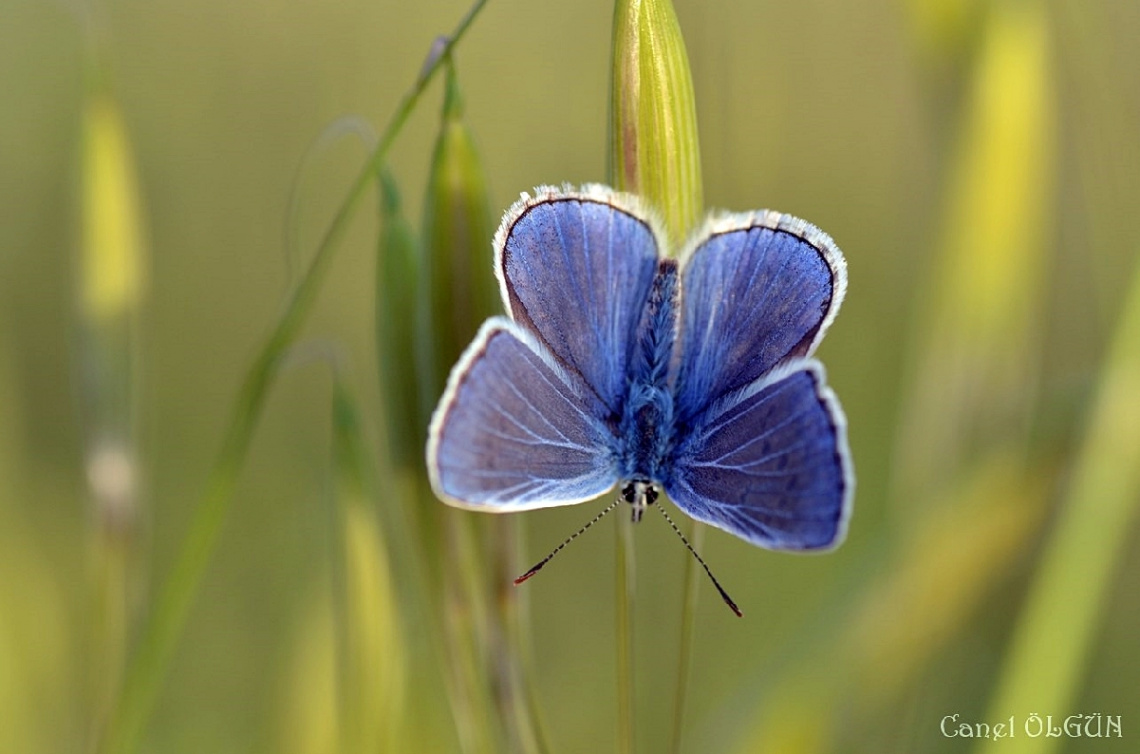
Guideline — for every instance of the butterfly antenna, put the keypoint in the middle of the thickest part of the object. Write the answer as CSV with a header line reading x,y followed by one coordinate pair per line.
x,y
538,566
723,594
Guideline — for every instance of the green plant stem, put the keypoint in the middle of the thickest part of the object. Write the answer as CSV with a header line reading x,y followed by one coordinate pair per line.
x,y
148,664
433,616
511,657
625,570
467,625
685,647
1069,597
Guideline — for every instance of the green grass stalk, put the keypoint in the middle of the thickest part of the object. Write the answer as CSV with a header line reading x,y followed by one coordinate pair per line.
x,y
510,655
370,642
466,627
111,291
626,580
654,151
692,585
972,386
1066,603
149,662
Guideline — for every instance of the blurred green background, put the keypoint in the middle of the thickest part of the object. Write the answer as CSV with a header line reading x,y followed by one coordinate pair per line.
x,y
977,162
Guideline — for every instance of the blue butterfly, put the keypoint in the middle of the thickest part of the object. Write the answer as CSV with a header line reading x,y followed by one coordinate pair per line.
x,y
621,365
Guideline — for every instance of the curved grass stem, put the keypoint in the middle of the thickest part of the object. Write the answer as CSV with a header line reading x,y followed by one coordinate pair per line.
x,y
149,662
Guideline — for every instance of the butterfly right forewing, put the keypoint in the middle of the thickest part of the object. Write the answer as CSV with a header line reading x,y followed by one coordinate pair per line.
x,y
758,289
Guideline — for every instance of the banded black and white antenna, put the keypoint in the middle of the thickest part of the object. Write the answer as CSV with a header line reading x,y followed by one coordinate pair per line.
x,y
538,566
643,501
723,594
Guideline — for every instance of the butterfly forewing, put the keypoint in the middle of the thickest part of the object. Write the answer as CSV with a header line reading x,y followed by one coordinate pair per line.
x,y
576,270
758,290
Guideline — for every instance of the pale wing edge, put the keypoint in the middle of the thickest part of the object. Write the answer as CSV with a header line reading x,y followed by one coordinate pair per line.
x,y
447,401
720,223
597,193
838,419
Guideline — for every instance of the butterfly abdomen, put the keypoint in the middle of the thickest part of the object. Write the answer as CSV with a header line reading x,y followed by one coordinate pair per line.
x,y
646,429
647,420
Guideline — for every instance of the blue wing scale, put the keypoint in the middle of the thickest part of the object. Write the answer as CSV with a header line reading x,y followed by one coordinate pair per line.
x,y
515,431
576,270
769,464
759,289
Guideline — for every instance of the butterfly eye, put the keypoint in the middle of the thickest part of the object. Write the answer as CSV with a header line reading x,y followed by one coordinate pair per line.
x,y
628,493
651,495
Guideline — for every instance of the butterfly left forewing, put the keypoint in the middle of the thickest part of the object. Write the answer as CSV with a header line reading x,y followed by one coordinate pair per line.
x,y
575,269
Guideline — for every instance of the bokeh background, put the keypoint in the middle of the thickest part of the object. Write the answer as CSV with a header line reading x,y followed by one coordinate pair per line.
x,y
977,162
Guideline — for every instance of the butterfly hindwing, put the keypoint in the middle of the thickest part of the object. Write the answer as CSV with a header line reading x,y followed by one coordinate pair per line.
x,y
515,430
758,289
769,463
576,269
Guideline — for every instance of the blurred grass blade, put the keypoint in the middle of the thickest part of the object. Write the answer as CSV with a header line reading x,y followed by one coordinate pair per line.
x,y
348,125
415,517
148,663
942,27
977,341
466,615
654,148
403,366
113,259
923,599
309,718
958,554
457,235
112,285
964,426
398,274
371,645
1054,636
39,633
512,642
400,333
685,643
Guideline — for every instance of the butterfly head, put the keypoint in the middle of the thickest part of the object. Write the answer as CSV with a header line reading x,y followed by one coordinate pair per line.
x,y
639,493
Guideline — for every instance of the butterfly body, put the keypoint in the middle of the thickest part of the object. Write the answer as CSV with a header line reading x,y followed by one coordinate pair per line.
x,y
622,365
644,436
